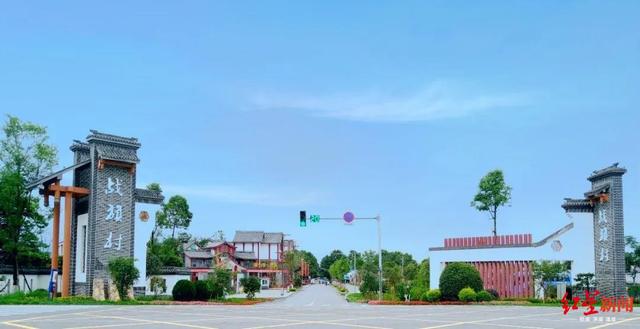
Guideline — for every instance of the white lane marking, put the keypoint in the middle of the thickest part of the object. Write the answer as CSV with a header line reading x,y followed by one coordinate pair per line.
x,y
178,324
615,323
485,320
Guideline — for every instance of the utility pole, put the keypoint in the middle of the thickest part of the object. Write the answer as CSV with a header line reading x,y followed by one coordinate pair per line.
x,y
379,259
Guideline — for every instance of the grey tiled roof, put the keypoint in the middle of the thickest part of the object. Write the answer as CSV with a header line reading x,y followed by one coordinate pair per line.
x,y
198,254
115,139
258,236
248,236
116,153
146,196
168,270
273,237
611,170
597,190
577,205
79,146
247,255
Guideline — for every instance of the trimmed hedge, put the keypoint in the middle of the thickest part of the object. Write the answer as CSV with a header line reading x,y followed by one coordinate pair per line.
x,y
457,276
467,295
432,295
204,290
484,296
184,290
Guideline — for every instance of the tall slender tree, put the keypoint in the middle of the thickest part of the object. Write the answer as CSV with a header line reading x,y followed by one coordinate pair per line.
x,y
493,193
25,156
174,214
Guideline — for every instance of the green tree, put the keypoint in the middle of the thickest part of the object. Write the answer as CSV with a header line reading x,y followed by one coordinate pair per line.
x,y
546,271
329,259
632,256
250,285
166,253
221,277
25,156
124,273
584,281
423,276
174,214
493,193
314,268
154,187
339,268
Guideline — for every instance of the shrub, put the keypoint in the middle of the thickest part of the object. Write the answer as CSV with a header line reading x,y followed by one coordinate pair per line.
x,y
204,289
292,289
634,291
467,295
484,296
457,276
417,292
124,273
184,290
222,282
432,295
369,283
494,293
251,285
297,281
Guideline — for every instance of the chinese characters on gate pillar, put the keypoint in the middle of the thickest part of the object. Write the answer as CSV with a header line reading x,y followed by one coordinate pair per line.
x,y
114,213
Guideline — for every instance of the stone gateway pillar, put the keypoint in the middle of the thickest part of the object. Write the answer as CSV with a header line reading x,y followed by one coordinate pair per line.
x,y
99,209
604,201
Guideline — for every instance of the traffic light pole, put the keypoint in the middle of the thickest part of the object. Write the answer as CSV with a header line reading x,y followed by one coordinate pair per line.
x,y
377,219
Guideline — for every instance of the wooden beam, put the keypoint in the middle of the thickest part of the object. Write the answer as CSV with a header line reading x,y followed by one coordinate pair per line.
x,y
66,258
74,190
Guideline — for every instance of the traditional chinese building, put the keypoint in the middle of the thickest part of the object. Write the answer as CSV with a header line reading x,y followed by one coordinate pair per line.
x,y
251,253
604,202
99,210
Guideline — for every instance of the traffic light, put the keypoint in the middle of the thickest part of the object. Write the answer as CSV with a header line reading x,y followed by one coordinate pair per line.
x,y
303,218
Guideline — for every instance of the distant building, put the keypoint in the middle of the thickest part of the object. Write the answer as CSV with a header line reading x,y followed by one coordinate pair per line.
x,y
251,253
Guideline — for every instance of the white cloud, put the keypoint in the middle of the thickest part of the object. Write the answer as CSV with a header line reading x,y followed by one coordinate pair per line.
x,y
438,100
243,195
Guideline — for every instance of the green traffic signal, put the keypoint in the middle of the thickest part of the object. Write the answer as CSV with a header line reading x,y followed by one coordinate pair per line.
x,y
303,218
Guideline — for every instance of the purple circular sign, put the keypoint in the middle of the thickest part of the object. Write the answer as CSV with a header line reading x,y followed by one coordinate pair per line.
x,y
348,217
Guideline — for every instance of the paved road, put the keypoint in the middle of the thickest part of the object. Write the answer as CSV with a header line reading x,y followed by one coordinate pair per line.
x,y
313,307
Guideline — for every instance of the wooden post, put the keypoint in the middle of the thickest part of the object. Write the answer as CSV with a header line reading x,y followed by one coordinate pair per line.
x,y
55,239
66,258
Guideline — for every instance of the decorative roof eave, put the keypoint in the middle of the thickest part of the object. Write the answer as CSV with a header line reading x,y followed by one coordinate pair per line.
x,y
577,205
612,170
596,191
56,176
113,139
79,146
147,196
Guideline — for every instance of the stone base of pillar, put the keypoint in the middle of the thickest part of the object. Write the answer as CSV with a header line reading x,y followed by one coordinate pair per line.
x,y
98,289
113,292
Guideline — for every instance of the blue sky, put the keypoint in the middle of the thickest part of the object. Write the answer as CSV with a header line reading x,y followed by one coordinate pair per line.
x,y
256,110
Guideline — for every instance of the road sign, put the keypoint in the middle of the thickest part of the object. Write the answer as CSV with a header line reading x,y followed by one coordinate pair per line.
x,y
348,217
315,218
